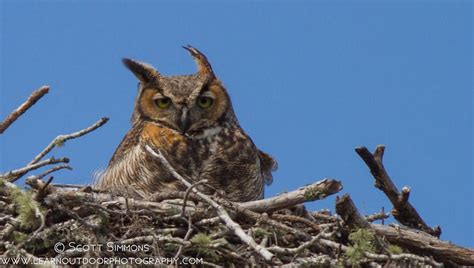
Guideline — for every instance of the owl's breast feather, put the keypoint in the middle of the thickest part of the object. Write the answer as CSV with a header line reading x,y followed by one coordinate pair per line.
x,y
162,137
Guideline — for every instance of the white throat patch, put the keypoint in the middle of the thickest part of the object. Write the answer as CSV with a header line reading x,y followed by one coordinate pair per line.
x,y
208,133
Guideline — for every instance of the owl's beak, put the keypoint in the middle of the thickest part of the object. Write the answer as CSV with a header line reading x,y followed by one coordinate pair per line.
x,y
184,121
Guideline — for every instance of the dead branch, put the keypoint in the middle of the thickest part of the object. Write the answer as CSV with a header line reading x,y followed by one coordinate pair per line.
x,y
401,257
58,141
300,248
61,139
297,219
378,216
261,218
68,185
403,211
346,208
186,195
417,241
51,170
14,175
425,244
32,99
316,191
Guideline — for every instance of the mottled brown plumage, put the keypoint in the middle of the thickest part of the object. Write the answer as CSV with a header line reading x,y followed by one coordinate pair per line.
x,y
190,120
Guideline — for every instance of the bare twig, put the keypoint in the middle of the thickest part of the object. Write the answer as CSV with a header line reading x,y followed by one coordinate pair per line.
x,y
183,210
42,187
59,197
208,222
404,212
261,218
378,216
293,218
61,139
51,170
14,175
153,238
66,185
267,255
322,216
13,116
317,261
186,237
43,191
300,248
186,195
73,215
403,256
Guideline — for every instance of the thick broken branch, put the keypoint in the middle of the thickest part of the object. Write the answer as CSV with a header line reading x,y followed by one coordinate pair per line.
x,y
312,192
346,208
416,241
13,116
422,243
403,211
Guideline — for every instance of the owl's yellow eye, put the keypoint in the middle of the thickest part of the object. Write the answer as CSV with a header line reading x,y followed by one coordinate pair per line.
x,y
205,102
163,103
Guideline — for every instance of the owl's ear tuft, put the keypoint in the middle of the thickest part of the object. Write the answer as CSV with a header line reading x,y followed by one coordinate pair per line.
x,y
204,67
143,71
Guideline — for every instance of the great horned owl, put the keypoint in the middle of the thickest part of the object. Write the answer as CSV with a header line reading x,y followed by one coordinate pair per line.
x,y
190,120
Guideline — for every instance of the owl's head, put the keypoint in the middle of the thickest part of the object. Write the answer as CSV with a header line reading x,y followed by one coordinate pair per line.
x,y
186,103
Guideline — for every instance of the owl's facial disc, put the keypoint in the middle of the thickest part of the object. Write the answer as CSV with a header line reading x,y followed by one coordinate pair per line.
x,y
185,104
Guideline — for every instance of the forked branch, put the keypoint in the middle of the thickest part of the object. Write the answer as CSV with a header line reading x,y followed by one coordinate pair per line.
x,y
58,141
403,211
61,139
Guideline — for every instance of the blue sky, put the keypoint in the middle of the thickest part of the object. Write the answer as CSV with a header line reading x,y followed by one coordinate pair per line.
x,y
309,83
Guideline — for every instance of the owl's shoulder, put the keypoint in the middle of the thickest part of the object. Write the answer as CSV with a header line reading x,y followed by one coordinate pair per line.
x,y
131,139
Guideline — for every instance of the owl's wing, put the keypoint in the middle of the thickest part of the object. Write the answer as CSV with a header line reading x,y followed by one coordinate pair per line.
x,y
267,165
